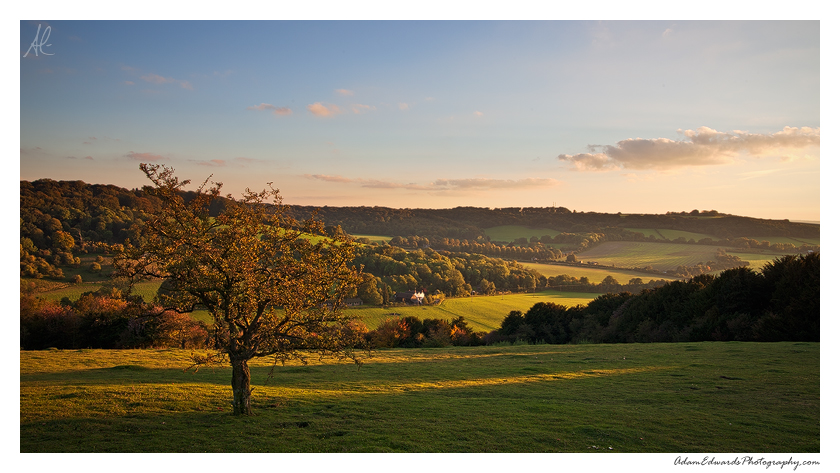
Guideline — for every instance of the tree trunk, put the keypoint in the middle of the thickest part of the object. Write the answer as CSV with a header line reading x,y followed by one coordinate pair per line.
x,y
241,384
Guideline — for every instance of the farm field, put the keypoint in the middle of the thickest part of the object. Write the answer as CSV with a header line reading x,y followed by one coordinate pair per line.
x,y
756,260
690,397
147,289
510,233
667,234
595,274
793,241
660,256
482,313
374,238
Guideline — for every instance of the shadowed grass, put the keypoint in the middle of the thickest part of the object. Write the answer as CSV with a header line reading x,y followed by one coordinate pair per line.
x,y
722,397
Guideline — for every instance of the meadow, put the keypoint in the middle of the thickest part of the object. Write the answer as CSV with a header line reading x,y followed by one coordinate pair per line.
x,y
688,397
660,256
510,233
595,274
482,313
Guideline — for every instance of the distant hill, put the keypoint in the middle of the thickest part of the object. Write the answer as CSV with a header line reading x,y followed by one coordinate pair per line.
x,y
469,222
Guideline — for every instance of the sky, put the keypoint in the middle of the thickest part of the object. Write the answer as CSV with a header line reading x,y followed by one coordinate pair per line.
x,y
604,116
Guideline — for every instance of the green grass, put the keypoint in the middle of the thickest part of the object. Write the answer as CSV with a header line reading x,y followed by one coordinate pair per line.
x,y
663,233
482,313
594,274
147,289
794,241
692,397
660,256
510,233
374,238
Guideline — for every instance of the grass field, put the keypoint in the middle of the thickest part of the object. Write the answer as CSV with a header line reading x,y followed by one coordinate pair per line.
x,y
660,256
595,274
664,233
692,397
482,313
374,238
147,289
510,233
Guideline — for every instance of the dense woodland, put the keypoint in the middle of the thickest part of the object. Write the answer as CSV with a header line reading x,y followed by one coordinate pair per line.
x,y
445,253
780,302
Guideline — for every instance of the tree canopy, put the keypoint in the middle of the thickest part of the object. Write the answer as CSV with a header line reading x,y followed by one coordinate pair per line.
x,y
273,285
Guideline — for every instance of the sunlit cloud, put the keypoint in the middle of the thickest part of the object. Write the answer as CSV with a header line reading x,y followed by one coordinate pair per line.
x,y
144,156
321,110
345,92
403,106
274,108
702,147
442,184
478,114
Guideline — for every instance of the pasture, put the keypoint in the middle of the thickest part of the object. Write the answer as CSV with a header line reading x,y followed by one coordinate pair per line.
x,y
595,274
509,233
668,234
482,313
690,397
379,239
659,256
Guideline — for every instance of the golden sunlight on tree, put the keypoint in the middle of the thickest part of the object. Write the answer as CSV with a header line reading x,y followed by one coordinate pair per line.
x,y
271,285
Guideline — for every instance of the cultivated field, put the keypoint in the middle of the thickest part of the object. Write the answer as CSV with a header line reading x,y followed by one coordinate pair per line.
x,y
689,397
660,256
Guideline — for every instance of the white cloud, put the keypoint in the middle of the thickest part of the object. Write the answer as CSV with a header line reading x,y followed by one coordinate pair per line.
x,y
703,147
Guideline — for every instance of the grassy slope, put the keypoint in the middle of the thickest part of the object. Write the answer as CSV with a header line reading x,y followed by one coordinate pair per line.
x,y
691,397
512,232
660,256
482,313
594,274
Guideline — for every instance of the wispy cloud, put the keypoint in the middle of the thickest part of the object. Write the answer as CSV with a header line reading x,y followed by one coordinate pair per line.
x,y
359,108
144,156
274,108
158,80
345,92
239,162
403,106
213,163
441,184
702,147
324,110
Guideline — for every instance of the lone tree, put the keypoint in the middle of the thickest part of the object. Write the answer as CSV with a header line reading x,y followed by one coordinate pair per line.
x,y
273,285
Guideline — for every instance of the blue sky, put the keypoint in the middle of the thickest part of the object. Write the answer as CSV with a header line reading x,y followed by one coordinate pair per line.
x,y
628,116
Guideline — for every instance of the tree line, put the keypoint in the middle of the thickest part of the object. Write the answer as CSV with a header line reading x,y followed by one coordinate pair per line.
x,y
779,303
